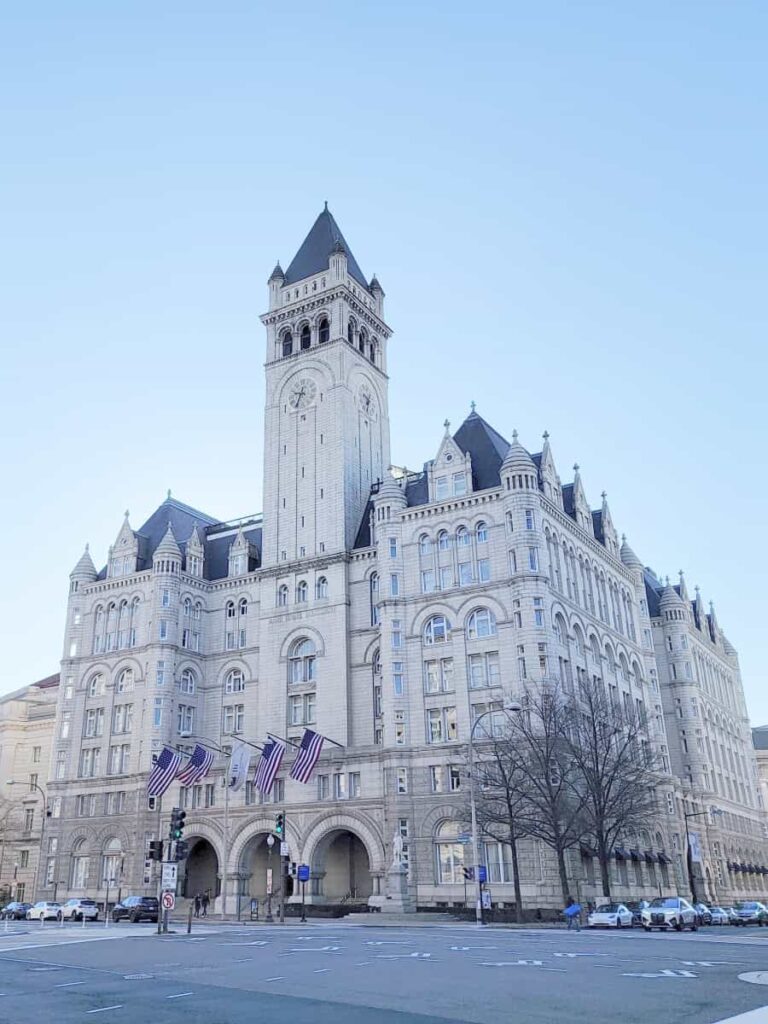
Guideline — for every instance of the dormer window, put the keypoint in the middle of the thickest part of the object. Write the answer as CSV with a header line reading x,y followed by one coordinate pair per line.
x,y
441,488
238,565
459,484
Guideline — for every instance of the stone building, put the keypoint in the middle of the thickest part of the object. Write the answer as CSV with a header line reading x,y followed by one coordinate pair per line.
x,y
387,609
26,734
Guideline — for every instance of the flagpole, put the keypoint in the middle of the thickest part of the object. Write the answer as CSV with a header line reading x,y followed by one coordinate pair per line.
x,y
298,746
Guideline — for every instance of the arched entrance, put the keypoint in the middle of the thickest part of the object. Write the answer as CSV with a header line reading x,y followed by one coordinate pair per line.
x,y
341,868
255,863
202,869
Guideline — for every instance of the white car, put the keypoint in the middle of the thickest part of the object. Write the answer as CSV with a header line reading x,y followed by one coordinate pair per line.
x,y
610,915
719,916
43,911
670,912
79,910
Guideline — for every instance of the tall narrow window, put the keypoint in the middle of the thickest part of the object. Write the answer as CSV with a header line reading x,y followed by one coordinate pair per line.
x,y
306,337
374,585
324,332
287,343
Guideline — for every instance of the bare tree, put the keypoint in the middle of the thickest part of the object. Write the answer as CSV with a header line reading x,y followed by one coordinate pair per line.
x,y
612,770
501,801
531,763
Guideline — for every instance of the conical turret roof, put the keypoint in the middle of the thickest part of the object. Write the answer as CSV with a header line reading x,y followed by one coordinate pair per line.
x,y
628,556
85,566
314,254
518,458
168,545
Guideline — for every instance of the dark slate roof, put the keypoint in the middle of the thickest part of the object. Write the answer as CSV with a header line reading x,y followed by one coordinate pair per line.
x,y
314,255
653,589
487,448
417,490
363,538
597,525
568,503
760,737
216,564
48,682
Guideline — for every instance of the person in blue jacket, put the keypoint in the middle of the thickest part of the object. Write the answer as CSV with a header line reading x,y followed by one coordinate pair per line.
x,y
572,914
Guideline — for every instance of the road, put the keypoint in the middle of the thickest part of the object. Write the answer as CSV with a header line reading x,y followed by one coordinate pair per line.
x,y
350,974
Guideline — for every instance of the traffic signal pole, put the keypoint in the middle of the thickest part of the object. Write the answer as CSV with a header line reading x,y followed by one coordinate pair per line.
x,y
283,839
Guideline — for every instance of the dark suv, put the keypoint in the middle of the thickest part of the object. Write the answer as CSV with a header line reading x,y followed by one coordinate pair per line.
x,y
15,911
136,908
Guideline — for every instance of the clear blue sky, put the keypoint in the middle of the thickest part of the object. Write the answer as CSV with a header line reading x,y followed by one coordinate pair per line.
x,y
565,203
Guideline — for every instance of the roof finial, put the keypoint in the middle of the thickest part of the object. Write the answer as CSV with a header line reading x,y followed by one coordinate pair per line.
x,y
623,538
472,406
326,205
447,425
696,589
575,467
680,573
604,495
169,493
667,579
127,513
545,435
87,546
514,437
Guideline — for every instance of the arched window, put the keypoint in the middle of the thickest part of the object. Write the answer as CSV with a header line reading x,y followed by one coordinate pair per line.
x,y
449,854
481,623
301,662
425,545
234,681
80,865
187,681
282,596
444,540
287,343
124,682
110,862
437,630
96,685
372,351
481,533
321,587
301,592
362,340
243,606
134,621
510,523
324,333
462,537
351,332
374,585
579,637
560,629
230,609
306,337
187,607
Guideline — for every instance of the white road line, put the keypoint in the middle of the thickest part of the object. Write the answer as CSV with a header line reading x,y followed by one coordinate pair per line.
x,y
101,1009
322,970
281,978
179,995
759,1016
244,959
69,984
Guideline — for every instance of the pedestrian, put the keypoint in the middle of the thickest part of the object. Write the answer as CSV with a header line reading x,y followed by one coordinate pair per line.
x,y
197,905
572,914
205,901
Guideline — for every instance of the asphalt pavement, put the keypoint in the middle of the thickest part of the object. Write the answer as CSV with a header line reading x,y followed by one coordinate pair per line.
x,y
345,973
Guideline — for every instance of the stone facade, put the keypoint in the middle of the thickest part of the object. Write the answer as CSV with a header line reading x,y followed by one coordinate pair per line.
x,y
386,609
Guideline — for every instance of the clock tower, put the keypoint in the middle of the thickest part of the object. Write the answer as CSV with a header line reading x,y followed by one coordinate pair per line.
x,y
326,427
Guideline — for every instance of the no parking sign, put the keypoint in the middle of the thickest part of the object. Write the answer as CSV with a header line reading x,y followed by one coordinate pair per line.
x,y
168,901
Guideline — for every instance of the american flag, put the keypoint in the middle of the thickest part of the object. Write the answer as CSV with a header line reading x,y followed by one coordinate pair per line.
x,y
197,767
163,772
306,759
269,765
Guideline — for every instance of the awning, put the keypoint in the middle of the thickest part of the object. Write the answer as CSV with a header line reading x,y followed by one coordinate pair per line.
x,y
635,855
620,853
663,858
650,858
744,867
735,867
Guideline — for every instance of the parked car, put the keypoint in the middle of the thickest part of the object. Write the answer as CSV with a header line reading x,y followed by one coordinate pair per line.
x,y
733,917
670,912
610,915
752,912
720,915
136,908
703,912
637,907
44,910
15,911
78,910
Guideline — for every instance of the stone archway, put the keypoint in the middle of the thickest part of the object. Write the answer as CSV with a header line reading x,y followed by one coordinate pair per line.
x,y
201,869
341,869
255,862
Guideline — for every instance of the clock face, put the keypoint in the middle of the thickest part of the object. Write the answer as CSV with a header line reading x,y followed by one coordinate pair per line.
x,y
366,402
302,393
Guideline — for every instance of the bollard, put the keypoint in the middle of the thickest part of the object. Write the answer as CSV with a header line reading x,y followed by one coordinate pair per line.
x,y
82,918
189,920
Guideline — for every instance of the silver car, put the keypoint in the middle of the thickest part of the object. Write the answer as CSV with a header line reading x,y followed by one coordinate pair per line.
x,y
79,910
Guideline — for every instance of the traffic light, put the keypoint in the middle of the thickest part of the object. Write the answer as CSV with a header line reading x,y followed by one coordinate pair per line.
x,y
280,826
469,874
182,849
155,849
177,823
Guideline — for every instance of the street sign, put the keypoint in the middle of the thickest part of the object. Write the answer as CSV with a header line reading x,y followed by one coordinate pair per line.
x,y
269,881
482,873
283,849
168,901
170,876
464,838
303,872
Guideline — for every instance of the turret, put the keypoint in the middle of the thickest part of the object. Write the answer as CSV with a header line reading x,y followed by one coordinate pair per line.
x,y
518,470
83,572
275,282
378,295
167,556
628,556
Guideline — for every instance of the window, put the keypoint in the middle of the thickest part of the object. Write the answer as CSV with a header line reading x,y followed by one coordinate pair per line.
x,y
483,570
393,547
354,784
449,855
438,676
437,630
373,584
185,720
160,673
324,332
442,725
484,670
61,764
427,581
124,682
163,629
157,718
287,343
321,587
398,678
234,681
29,818
459,484
402,780
444,541
301,662
397,634
301,592
400,730
301,709
481,623
80,866
96,686
187,682
93,723
442,489
122,718
481,533
306,337
165,600
521,661
233,718
36,752
530,519
533,559
282,596
446,577
454,778
436,778
394,585
425,545
323,787
463,540
90,758
538,611
465,574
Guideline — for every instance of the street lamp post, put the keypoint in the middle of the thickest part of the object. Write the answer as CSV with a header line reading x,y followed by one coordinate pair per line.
x,y
688,852
511,707
41,791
